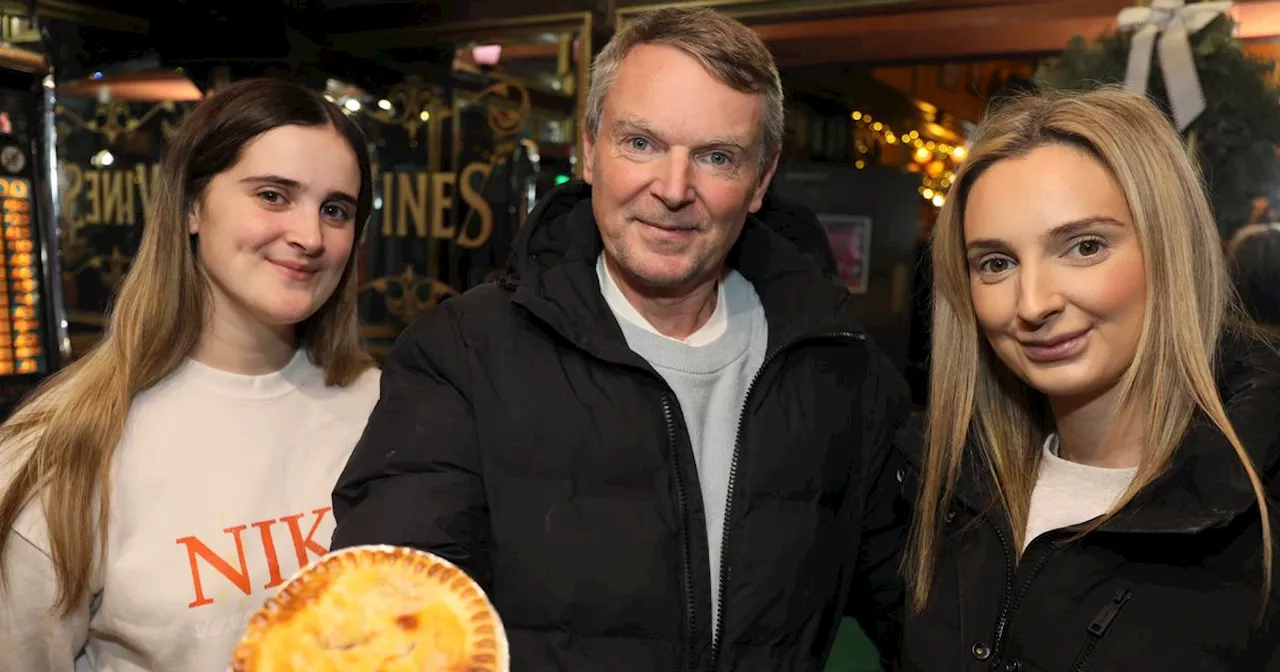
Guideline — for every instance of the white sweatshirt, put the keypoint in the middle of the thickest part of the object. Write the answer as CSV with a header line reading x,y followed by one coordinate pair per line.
x,y
220,492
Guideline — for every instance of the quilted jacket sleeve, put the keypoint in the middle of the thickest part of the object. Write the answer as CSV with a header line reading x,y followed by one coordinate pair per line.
x,y
414,478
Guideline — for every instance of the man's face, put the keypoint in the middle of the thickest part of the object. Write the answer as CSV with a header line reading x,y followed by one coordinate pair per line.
x,y
674,169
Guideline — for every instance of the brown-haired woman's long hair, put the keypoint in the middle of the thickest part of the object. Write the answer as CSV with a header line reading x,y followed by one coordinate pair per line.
x,y
64,436
975,402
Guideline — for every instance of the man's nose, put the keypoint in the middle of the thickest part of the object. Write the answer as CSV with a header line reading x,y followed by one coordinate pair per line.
x,y
673,184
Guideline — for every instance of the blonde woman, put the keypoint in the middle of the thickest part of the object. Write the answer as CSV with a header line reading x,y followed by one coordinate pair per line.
x,y
1096,488
155,492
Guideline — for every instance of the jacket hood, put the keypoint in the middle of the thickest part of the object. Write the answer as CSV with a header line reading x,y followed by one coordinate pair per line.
x,y
544,230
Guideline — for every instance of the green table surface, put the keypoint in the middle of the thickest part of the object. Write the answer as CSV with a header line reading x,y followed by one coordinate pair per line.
x,y
852,652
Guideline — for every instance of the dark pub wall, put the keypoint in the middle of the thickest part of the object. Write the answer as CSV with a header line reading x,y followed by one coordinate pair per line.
x,y
871,217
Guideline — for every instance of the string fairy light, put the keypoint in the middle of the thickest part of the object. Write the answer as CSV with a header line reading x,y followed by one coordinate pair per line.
x,y
935,161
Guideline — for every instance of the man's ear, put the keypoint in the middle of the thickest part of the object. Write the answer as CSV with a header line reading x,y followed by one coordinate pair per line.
x,y
762,187
588,157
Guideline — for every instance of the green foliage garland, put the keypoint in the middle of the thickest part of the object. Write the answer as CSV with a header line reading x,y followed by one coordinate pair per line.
x,y
1237,136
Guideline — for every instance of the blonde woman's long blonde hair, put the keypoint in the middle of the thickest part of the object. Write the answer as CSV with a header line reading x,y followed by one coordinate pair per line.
x,y
64,436
975,402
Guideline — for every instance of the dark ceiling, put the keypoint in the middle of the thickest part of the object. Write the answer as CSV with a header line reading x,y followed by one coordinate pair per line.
x,y
218,15
114,36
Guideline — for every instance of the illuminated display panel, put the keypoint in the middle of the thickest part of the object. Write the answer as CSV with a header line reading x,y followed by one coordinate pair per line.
x,y
21,342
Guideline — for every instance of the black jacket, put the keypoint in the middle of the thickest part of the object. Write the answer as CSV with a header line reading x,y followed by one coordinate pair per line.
x,y
1173,583
520,438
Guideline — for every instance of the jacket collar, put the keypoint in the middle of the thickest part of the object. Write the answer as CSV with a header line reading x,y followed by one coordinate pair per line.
x,y
1205,486
553,272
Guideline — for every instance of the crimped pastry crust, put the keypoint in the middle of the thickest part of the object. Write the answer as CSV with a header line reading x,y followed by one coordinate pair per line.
x,y
382,608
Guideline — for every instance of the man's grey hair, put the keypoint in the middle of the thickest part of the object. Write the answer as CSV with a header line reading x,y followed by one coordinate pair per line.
x,y
730,51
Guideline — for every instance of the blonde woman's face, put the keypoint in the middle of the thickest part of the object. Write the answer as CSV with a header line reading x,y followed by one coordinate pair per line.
x,y
1056,271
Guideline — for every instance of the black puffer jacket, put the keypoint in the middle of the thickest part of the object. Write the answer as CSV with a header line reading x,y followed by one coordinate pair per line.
x,y
519,437
1174,582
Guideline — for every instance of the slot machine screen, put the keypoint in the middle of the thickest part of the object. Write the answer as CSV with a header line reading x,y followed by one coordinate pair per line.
x,y
32,319
21,329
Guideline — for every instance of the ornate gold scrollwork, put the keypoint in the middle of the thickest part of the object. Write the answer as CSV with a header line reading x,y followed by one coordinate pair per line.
x,y
404,294
505,119
113,118
502,121
413,105
112,267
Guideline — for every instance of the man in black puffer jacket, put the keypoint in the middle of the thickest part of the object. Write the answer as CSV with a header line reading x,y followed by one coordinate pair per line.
x,y
662,441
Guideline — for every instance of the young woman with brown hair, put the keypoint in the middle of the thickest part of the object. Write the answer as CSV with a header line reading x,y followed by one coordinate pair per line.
x,y
158,488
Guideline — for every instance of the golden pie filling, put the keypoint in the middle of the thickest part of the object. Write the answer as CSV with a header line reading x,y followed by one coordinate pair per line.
x,y
376,608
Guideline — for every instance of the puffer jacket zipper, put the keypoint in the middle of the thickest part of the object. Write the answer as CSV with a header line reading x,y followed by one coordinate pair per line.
x,y
1014,599
726,571
691,625
1098,628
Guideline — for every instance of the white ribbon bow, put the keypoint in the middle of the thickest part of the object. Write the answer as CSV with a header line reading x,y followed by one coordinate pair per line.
x,y
1174,22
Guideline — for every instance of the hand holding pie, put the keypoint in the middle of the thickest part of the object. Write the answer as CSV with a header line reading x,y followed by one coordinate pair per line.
x,y
382,608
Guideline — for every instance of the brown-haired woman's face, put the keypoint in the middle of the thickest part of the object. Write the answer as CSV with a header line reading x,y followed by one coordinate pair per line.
x,y
1056,270
276,229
